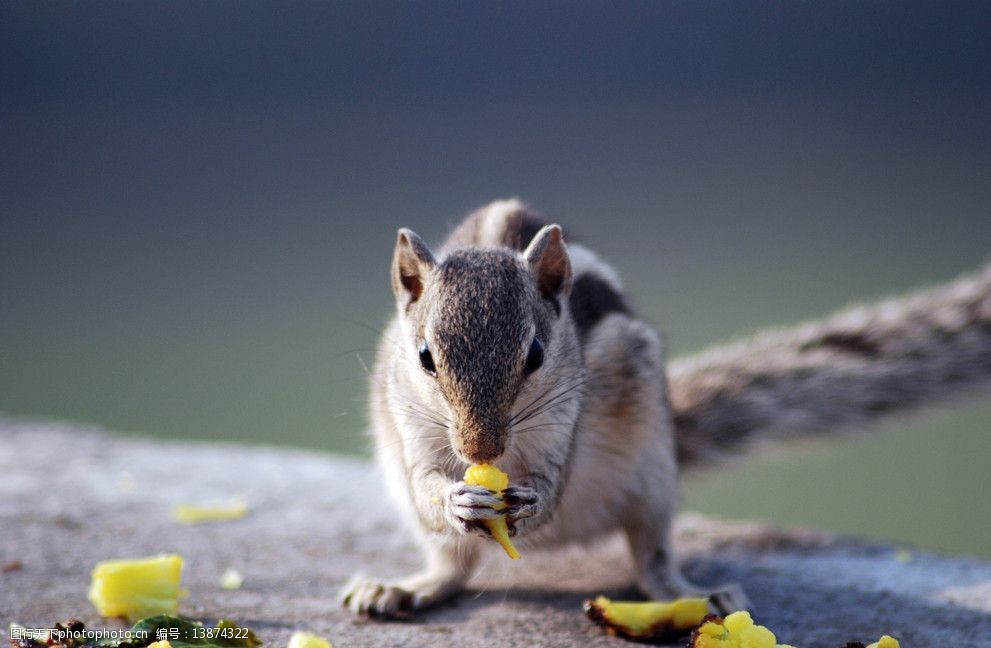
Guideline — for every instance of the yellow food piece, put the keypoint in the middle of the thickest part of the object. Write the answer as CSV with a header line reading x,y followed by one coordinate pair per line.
x,y
308,640
711,629
231,579
137,588
737,630
737,622
125,482
650,618
758,637
707,641
160,644
194,514
496,481
885,642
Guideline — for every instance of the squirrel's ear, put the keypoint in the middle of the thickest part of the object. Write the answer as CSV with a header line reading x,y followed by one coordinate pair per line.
x,y
548,260
411,261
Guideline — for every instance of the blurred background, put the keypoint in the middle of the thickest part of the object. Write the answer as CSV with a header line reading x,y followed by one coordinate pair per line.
x,y
198,202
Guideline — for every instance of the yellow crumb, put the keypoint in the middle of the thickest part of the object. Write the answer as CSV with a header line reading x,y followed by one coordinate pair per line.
x,y
125,482
137,588
885,642
195,514
308,640
231,579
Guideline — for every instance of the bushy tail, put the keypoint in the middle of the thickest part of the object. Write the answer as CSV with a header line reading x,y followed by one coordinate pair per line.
x,y
837,373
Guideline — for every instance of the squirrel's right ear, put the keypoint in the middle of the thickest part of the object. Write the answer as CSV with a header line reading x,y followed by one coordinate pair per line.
x,y
548,260
411,261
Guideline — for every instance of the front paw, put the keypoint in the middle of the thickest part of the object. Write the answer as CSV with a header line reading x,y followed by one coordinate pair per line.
x,y
398,600
468,506
522,502
365,596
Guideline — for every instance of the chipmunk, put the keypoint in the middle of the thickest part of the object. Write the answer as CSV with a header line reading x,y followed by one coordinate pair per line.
x,y
515,348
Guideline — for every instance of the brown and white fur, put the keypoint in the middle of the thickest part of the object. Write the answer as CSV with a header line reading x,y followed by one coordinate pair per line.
x,y
594,438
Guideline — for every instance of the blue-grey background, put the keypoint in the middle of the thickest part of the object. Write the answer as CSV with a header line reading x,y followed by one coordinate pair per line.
x,y
198,202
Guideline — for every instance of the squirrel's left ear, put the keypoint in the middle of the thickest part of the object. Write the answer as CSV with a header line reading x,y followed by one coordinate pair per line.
x,y
547,258
412,261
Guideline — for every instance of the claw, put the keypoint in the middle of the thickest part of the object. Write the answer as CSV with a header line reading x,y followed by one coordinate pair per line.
x,y
396,600
519,496
521,503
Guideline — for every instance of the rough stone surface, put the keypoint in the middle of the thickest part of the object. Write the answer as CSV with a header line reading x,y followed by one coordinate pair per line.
x,y
70,497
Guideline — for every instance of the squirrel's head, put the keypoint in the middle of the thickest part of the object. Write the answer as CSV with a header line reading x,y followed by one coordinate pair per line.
x,y
485,331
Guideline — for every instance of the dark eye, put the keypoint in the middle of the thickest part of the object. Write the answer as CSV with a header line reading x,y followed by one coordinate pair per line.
x,y
427,360
535,357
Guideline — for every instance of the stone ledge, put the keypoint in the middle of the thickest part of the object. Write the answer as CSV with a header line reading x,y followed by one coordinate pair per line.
x,y
71,496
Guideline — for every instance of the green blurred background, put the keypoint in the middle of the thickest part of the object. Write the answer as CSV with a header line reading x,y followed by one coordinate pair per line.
x,y
198,203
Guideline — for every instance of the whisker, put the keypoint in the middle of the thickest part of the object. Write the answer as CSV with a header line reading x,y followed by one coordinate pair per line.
x,y
554,385
551,402
539,426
